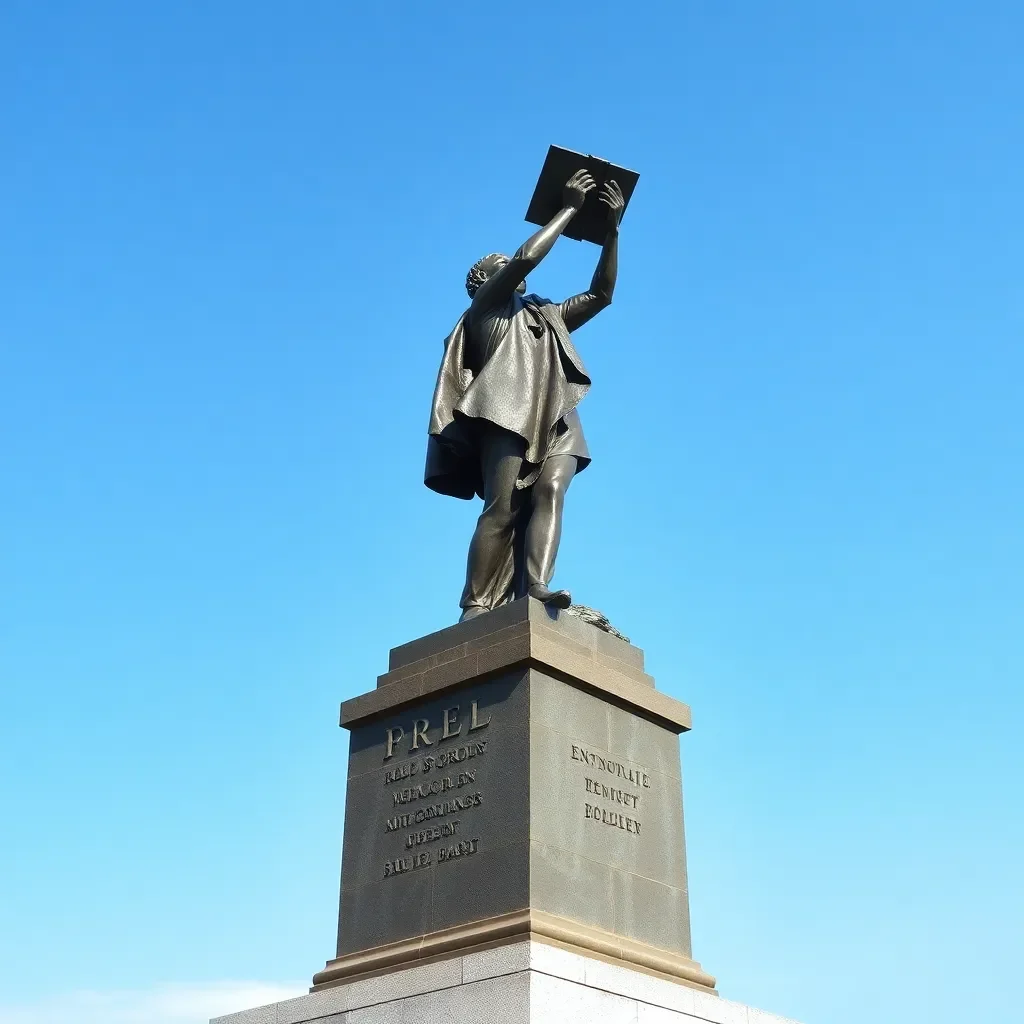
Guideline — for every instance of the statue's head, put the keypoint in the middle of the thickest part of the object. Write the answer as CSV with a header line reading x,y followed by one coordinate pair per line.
x,y
483,268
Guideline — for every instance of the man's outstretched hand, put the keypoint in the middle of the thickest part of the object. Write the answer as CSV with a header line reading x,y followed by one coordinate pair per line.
x,y
611,196
576,189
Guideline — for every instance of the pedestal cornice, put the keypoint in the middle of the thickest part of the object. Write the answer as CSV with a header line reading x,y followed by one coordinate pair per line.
x,y
522,634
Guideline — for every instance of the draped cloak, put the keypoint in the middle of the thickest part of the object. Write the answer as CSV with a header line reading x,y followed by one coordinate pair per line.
x,y
530,382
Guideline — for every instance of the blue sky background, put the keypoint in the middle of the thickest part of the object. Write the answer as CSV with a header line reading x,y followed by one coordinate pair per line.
x,y
234,238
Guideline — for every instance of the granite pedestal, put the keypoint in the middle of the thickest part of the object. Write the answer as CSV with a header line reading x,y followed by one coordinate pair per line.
x,y
514,846
510,777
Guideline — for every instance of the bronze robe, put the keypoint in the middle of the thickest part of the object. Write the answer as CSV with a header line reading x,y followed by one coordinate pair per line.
x,y
530,382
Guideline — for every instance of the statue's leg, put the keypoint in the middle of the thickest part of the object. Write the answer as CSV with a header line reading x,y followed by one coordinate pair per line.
x,y
544,531
490,564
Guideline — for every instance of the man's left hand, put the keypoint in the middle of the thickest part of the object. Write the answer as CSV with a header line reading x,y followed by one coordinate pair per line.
x,y
611,196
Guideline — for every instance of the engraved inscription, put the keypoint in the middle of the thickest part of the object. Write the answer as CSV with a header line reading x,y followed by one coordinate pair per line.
x,y
464,849
433,788
429,743
454,756
616,768
613,792
400,865
612,818
419,734
403,771
619,796
431,835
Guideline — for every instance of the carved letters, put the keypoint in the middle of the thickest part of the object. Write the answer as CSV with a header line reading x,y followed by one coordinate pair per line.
x,y
617,795
434,791
436,795
450,726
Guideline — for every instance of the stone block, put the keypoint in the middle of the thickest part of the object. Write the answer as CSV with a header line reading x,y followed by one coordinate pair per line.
x,y
494,999
257,1015
398,985
314,1006
492,963
557,1001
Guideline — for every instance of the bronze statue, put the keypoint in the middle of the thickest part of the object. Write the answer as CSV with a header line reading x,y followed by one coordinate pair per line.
x,y
504,423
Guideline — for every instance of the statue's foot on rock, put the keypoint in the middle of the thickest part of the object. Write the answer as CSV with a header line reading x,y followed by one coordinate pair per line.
x,y
552,598
472,612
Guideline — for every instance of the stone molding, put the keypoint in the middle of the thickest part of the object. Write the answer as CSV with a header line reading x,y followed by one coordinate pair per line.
x,y
515,927
522,635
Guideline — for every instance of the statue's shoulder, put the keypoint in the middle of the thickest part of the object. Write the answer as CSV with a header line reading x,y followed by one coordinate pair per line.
x,y
458,329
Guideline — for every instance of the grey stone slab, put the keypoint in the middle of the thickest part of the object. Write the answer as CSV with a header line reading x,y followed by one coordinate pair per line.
x,y
312,1006
556,961
604,897
492,963
485,884
556,1000
652,912
586,715
667,995
492,1000
586,647
257,1015
400,984
461,633
568,709
648,1014
477,632
379,702
580,809
755,1016
635,738
382,1013
601,642
612,647
433,661
384,911
717,1010
572,886
625,981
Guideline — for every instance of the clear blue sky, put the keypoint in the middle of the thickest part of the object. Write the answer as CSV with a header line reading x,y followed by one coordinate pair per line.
x,y
234,238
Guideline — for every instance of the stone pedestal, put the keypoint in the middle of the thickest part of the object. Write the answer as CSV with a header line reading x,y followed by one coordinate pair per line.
x,y
513,777
514,845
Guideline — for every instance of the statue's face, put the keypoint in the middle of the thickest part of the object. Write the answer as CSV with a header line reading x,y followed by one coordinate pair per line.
x,y
495,264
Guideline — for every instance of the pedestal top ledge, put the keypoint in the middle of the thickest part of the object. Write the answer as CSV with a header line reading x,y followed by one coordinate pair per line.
x,y
526,634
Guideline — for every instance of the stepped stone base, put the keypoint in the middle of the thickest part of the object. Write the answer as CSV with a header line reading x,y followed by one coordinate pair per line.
x,y
518,983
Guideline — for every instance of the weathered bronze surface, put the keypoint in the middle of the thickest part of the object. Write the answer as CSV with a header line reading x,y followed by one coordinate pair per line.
x,y
504,423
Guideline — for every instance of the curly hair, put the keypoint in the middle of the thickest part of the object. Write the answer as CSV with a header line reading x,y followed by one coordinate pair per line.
x,y
477,275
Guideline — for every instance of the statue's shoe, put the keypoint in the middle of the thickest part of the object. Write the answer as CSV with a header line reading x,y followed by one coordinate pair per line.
x,y
554,598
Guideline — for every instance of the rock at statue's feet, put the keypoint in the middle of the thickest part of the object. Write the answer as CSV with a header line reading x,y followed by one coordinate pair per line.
x,y
552,598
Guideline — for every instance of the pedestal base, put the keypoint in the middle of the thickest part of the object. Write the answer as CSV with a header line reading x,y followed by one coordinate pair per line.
x,y
526,982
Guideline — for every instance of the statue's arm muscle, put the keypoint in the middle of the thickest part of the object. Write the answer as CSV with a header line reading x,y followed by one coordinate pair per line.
x,y
500,286
578,309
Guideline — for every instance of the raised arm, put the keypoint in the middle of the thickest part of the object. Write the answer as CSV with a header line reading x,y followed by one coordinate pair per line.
x,y
508,276
578,309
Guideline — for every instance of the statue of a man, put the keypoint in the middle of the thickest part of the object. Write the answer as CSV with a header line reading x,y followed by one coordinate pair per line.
x,y
504,423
